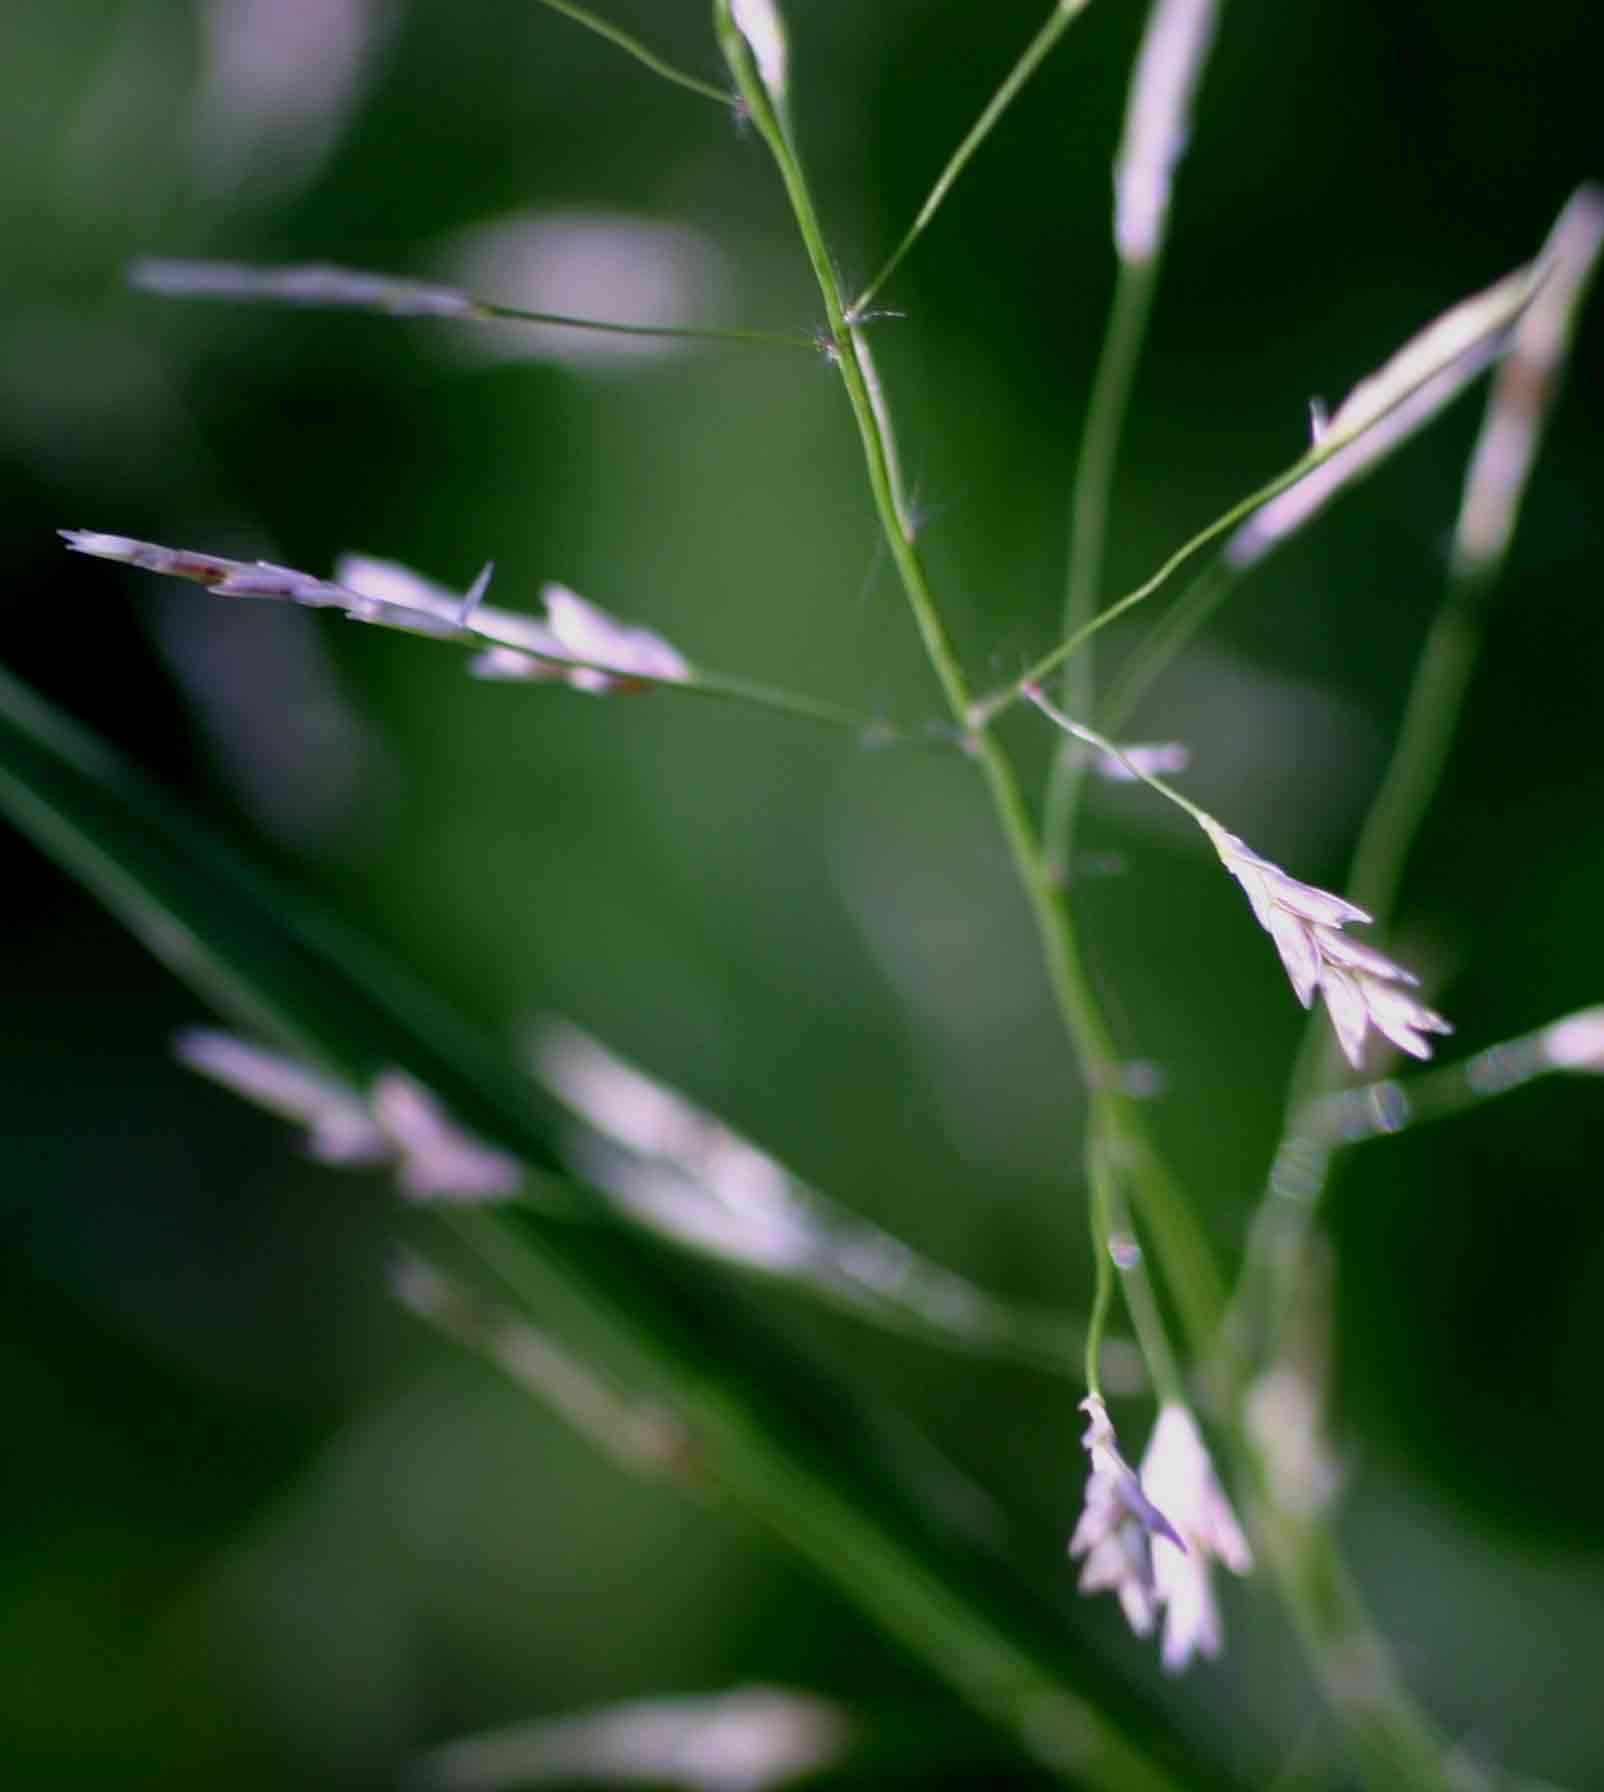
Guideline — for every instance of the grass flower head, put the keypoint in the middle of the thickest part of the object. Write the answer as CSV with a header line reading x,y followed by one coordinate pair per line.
x,y
1363,988
1118,1526
1177,1470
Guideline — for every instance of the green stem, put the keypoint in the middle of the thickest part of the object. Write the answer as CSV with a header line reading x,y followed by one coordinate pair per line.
x,y
1388,1731
1118,1235
1184,1251
1100,1214
681,332
1392,1741
1289,1208
993,705
1102,744
1090,501
632,46
794,703
1384,1109
1159,648
1330,445
1425,738
1063,15
1399,1736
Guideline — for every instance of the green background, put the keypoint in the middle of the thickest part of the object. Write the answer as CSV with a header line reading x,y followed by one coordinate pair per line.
x,y
257,1529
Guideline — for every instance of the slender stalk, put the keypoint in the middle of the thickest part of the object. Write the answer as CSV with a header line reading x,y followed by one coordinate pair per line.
x,y
882,416
1389,1735
318,286
758,695
1402,398
1392,1742
1091,737
1290,1205
1425,738
1494,491
1102,1226
1388,1107
993,705
632,46
1392,1736
1165,640
1151,1336
1185,1253
1064,13
1169,65
1141,1302
682,332
1090,499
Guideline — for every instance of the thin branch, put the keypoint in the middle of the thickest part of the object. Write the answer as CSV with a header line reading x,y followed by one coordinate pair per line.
x,y
632,46
1184,1251
1424,376
1165,641
1570,1046
1036,51
1089,507
1495,488
1388,1731
413,605
1169,65
319,286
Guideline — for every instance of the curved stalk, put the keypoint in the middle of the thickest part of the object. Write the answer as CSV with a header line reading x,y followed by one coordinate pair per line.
x,y
632,46
1390,1736
1184,1252
1089,508
1035,53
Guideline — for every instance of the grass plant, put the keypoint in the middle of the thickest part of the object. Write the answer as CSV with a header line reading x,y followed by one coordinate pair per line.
x,y
515,1237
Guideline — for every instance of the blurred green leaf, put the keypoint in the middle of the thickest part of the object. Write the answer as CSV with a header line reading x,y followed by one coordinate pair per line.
x,y
792,1451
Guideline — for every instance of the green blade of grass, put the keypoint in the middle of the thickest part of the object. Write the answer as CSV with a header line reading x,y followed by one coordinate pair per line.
x,y
797,1454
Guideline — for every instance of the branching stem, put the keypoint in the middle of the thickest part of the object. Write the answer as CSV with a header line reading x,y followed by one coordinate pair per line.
x,y
1187,1258
632,46
1064,14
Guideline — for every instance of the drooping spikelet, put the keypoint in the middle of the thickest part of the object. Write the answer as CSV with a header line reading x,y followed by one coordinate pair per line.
x,y
1363,988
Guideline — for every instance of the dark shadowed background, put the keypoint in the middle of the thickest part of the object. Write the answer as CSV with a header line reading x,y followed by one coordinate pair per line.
x,y
256,1528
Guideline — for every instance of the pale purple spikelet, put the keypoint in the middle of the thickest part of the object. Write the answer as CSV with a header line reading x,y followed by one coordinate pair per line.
x,y
317,285
399,1122
1383,410
436,1159
1522,393
1143,759
1157,120
1119,1526
759,22
1576,1042
579,643
339,1127
1177,1473
1364,990
587,632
